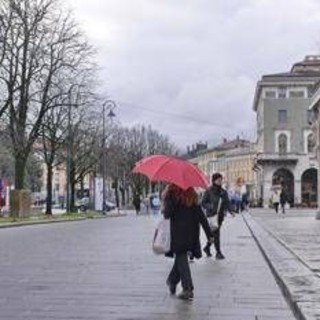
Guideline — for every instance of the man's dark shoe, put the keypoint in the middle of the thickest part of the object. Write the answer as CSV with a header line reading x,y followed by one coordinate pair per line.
x,y
207,251
172,287
220,256
186,295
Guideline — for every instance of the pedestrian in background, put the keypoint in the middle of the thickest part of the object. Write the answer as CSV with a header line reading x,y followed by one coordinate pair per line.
x,y
275,198
244,196
283,200
186,216
137,203
146,205
216,203
155,204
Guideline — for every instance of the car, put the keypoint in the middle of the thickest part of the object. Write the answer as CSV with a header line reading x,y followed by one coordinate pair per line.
x,y
83,205
109,206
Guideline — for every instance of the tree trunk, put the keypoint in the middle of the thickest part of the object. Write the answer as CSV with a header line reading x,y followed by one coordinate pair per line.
x,y
123,195
116,191
82,187
49,189
72,187
20,170
127,195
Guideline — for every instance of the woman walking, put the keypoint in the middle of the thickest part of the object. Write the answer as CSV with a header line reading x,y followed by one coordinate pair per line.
x,y
276,199
186,216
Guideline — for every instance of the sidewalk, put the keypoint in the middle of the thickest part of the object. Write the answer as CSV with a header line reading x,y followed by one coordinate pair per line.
x,y
105,270
37,220
291,245
241,287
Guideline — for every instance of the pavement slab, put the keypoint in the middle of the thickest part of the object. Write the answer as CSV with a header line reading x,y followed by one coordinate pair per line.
x,y
105,269
282,239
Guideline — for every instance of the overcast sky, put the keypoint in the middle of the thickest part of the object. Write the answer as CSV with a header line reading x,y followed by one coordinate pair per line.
x,y
189,67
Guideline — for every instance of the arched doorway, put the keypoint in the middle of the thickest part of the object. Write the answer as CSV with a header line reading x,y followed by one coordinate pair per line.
x,y
309,187
285,178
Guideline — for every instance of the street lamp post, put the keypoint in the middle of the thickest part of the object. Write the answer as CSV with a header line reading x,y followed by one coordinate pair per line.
x,y
110,106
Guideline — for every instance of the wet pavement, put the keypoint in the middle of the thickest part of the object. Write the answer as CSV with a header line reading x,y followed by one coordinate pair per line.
x,y
291,244
105,269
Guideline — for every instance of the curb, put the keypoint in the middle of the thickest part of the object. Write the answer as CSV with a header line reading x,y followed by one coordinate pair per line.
x,y
288,270
32,223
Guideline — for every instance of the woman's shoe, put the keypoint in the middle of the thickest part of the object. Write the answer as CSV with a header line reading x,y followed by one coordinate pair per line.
x,y
186,295
207,251
172,287
220,256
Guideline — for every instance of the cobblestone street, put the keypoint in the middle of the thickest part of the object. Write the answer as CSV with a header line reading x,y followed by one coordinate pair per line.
x,y
105,269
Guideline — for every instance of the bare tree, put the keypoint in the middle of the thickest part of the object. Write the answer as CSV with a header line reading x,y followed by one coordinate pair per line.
x,y
53,134
84,146
129,145
39,46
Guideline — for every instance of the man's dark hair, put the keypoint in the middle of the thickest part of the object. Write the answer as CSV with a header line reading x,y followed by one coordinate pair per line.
x,y
216,176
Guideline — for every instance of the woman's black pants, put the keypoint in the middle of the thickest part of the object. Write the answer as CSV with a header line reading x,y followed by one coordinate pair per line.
x,y
181,272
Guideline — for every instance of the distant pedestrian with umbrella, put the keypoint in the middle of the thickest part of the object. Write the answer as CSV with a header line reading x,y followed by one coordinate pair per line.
x,y
186,216
216,202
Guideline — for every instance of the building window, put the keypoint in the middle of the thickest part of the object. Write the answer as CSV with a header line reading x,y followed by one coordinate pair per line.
x,y
283,143
282,93
296,94
282,116
270,94
310,142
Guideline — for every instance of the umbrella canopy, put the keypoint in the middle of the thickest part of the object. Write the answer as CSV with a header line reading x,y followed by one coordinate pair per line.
x,y
171,169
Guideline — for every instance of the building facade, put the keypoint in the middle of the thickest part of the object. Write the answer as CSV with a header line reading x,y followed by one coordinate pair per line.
x,y
234,159
284,134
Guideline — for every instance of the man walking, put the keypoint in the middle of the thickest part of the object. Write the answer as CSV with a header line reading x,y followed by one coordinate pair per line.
x,y
216,202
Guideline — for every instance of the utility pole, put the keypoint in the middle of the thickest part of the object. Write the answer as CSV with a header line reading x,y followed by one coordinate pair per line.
x,y
109,105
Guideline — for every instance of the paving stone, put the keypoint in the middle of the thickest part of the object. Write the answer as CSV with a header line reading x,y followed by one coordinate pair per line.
x,y
105,269
282,241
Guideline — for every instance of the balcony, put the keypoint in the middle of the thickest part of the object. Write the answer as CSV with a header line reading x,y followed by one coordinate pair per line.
x,y
288,158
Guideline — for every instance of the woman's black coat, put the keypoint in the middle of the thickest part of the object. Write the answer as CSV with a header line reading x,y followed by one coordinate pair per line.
x,y
185,227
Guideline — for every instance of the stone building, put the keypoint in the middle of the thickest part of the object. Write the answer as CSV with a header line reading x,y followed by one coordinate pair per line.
x,y
233,159
284,135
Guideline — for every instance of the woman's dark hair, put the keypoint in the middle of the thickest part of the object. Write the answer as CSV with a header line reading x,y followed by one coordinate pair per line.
x,y
187,197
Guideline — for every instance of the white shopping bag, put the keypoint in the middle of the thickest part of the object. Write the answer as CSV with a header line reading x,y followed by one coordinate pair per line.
x,y
162,239
213,221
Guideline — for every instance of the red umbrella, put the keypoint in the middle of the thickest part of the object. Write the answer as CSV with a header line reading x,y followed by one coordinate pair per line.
x,y
171,169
